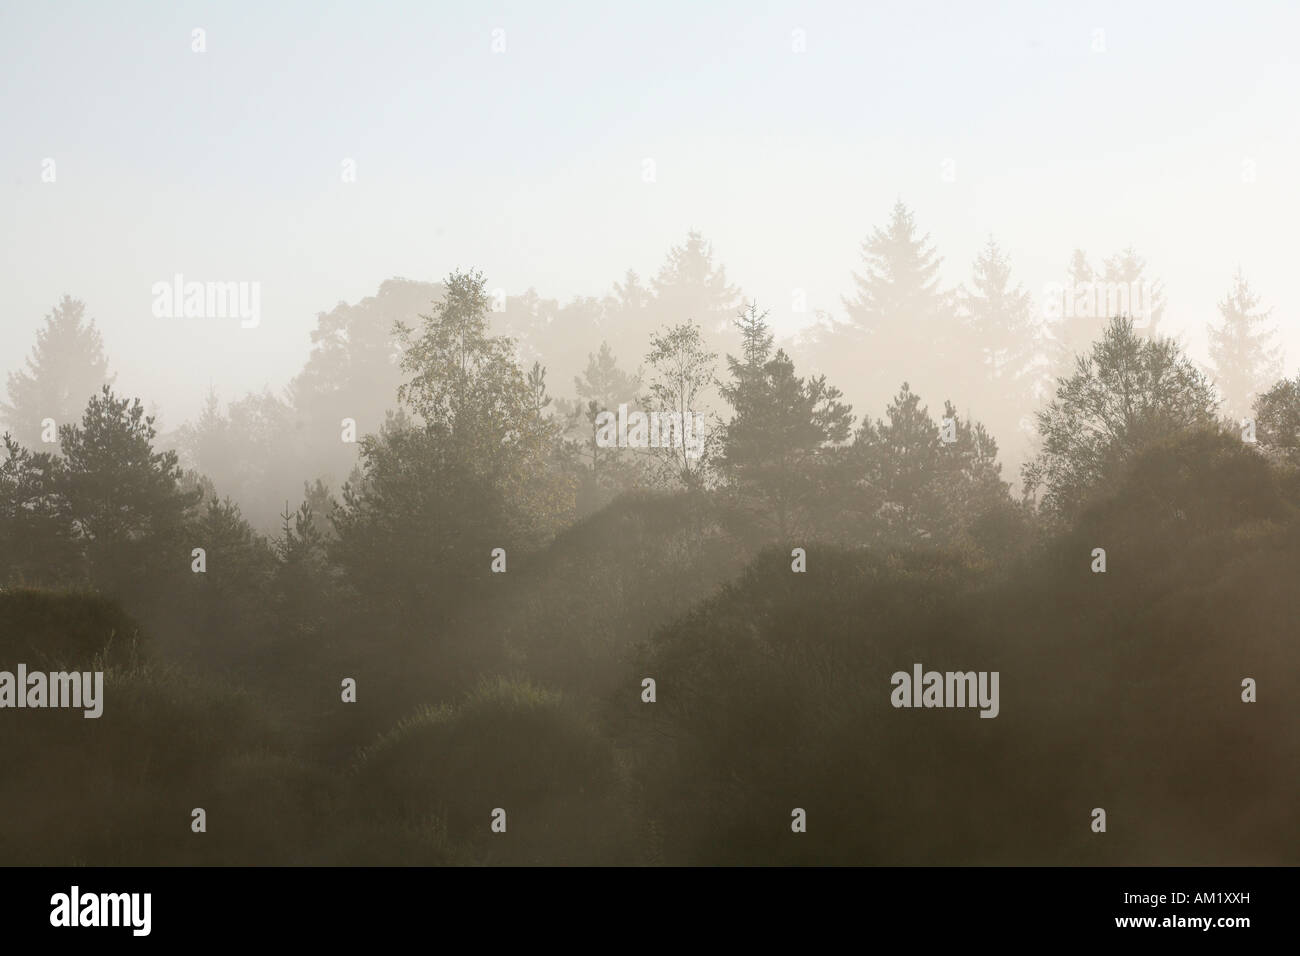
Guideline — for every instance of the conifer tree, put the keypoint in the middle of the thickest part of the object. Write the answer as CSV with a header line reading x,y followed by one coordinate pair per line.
x,y
900,318
1245,360
777,451
1003,332
66,368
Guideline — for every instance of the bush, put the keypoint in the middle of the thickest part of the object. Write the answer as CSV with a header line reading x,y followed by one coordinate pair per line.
x,y
509,745
62,630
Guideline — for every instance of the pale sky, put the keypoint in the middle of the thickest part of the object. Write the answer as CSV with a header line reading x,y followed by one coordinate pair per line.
x,y
527,163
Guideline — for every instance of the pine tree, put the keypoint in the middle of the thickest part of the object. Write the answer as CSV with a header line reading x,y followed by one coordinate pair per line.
x,y
899,457
631,297
208,444
1245,360
778,453
604,382
36,530
756,340
756,337
125,498
602,387
690,287
240,563
1003,331
900,318
299,577
915,487
901,283
66,369
1000,318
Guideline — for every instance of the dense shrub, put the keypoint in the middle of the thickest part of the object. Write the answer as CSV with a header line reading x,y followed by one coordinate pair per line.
x,y
510,745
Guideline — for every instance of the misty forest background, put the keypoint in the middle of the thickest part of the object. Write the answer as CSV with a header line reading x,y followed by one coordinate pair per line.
x,y
327,559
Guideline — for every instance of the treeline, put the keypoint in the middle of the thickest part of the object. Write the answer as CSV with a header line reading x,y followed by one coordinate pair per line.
x,y
987,345
498,585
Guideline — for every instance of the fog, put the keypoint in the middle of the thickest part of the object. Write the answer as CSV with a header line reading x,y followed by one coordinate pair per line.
x,y
702,435
529,163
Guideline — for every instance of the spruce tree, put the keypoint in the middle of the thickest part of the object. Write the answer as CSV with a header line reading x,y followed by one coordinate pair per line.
x,y
903,320
66,369
777,451
1245,360
1004,333
691,287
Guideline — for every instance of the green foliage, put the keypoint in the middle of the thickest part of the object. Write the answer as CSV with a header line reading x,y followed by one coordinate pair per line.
x,y
118,790
775,693
475,402
417,514
777,452
911,487
773,688
1277,419
226,604
1129,392
36,532
124,497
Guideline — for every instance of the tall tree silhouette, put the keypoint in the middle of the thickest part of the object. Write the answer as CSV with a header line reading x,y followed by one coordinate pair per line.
x,y
485,412
690,286
1242,352
1003,331
66,368
603,472
900,318
629,297
776,452
463,381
